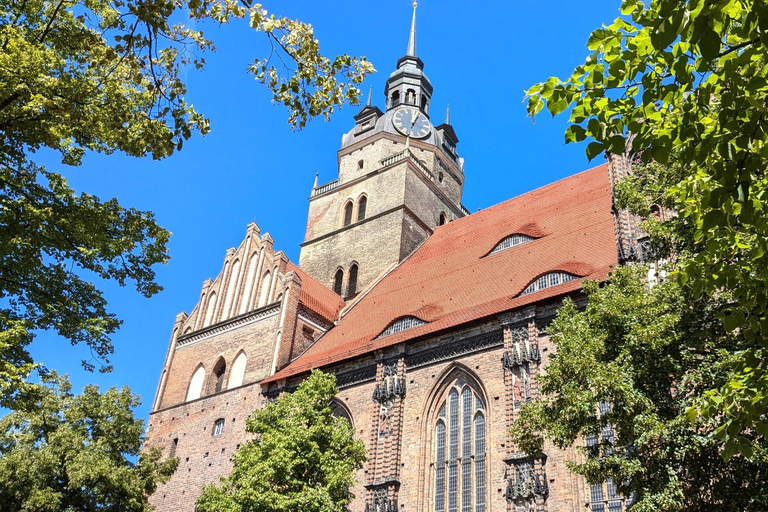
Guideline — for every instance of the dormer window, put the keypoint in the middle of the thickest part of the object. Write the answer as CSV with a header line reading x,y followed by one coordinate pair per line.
x,y
511,241
548,280
402,324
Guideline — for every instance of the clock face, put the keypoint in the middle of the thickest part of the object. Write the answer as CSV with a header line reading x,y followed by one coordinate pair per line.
x,y
410,121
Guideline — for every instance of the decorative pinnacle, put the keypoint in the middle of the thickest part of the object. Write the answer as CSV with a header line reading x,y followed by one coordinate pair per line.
x,y
448,114
316,176
412,39
370,93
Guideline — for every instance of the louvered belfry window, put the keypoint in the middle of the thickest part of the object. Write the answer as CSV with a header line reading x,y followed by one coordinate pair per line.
x,y
460,452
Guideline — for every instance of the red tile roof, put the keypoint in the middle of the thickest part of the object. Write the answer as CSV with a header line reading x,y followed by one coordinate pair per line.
x,y
452,280
317,297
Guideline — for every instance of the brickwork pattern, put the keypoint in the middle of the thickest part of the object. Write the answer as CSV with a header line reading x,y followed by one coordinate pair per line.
x,y
186,431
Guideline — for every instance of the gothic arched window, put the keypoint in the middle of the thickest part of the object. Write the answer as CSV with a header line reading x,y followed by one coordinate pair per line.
x,y
460,451
348,214
196,384
338,279
442,219
352,281
362,204
238,371
218,375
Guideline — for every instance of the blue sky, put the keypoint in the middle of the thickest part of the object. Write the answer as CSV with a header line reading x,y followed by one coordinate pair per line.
x,y
480,58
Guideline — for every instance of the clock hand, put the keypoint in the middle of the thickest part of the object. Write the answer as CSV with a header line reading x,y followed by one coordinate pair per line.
x,y
414,116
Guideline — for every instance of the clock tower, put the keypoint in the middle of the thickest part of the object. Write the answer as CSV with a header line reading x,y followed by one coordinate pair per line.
x,y
399,179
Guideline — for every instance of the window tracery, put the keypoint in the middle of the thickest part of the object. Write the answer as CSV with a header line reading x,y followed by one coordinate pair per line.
x,y
460,469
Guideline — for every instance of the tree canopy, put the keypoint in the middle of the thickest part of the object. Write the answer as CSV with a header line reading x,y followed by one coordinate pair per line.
x,y
689,81
105,76
302,459
63,452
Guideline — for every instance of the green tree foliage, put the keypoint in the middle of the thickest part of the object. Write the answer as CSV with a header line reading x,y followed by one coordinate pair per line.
x,y
646,355
105,76
689,80
302,459
64,452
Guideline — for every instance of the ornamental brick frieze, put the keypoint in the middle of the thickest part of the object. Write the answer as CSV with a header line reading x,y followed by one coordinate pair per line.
x,y
448,350
228,325
358,376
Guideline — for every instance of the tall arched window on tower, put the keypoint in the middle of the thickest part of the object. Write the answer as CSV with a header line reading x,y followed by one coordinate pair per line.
x,y
218,375
348,213
362,204
410,97
352,281
338,279
460,451
395,98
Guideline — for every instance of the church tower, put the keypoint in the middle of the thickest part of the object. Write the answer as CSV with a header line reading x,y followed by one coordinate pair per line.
x,y
399,177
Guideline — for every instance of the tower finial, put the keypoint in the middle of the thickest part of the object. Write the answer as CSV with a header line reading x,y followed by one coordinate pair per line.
x,y
317,174
448,114
412,38
370,93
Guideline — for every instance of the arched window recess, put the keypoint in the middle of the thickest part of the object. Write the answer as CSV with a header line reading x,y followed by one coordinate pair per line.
x,y
218,375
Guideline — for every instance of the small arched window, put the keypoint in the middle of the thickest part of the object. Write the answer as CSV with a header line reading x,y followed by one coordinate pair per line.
x,y
442,219
424,103
196,384
362,204
440,177
395,98
360,164
338,279
218,427
348,213
410,97
352,281
218,375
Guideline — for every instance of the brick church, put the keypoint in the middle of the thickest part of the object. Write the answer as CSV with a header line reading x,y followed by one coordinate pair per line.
x,y
433,320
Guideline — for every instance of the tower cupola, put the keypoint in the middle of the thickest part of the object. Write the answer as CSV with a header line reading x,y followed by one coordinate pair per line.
x,y
408,85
